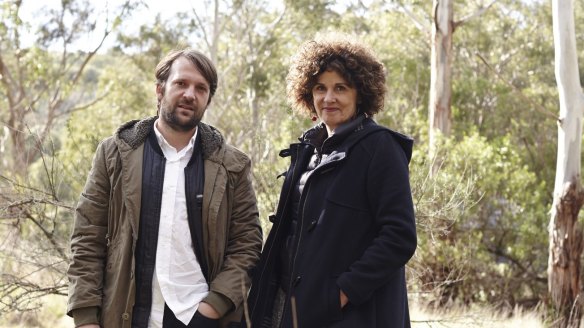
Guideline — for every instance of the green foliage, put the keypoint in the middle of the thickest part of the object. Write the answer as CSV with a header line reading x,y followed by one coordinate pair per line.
x,y
404,50
125,95
504,80
155,40
313,15
481,216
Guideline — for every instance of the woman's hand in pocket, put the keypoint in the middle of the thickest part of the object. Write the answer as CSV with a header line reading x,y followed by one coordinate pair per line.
x,y
344,299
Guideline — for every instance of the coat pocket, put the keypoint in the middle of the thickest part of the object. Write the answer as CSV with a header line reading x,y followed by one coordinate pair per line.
x,y
334,300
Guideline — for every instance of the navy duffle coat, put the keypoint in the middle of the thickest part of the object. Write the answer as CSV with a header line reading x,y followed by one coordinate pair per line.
x,y
355,232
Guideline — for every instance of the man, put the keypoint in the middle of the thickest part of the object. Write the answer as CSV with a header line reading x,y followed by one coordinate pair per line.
x,y
166,228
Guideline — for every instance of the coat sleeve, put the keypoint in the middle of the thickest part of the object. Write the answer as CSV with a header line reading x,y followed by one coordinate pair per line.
x,y
390,203
244,243
88,241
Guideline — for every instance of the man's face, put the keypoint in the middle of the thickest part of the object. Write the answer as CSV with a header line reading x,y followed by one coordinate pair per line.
x,y
185,96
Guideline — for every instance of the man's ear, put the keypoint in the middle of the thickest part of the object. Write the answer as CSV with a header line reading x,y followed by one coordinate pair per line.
x,y
159,91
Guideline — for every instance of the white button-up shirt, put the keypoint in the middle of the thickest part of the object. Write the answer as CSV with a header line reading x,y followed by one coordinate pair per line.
x,y
178,280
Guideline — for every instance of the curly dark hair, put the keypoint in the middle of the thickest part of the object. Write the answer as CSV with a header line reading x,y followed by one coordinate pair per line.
x,y
353,60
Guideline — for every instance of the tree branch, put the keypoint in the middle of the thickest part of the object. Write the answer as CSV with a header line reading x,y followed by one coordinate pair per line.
x,y
474,15
203,29
83,106
517,263
17,185
33,201
537,106
49,235
418,23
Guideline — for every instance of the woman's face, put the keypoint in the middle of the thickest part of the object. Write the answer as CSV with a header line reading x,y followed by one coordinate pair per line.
x,y
335,100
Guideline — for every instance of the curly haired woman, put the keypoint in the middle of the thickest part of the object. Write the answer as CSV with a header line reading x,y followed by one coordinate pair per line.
x,y
344,227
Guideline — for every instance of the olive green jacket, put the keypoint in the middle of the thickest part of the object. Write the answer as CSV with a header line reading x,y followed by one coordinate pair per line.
x,y
103,243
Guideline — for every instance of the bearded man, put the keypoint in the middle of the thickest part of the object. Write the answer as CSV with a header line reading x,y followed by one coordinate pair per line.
x,y
166,228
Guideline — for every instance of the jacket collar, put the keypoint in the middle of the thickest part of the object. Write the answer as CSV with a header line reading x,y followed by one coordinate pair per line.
x,y
134,133
318,136
350,133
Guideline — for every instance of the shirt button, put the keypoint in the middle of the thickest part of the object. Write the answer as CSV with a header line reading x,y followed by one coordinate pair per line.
x,y
125,316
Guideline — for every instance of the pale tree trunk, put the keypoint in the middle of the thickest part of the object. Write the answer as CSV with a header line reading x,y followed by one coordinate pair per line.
x,y
441,74
564,231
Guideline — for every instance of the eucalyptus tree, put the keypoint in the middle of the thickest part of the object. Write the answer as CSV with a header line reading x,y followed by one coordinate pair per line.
x,y
443,28
565,232
439,111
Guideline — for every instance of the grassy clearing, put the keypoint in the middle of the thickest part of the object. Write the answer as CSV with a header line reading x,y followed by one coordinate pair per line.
x,y
475,317
52,315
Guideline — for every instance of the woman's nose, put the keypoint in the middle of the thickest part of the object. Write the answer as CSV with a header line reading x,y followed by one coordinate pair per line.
x,y
329,96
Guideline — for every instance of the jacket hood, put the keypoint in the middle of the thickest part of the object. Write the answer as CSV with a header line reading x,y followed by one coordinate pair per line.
x,y
350,133
134,133
405,142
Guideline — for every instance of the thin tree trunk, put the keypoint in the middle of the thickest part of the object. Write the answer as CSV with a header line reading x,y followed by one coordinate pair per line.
x,y
441,73
564,230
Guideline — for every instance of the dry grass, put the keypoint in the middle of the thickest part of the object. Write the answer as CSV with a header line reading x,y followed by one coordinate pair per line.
x,y
52,314
479,317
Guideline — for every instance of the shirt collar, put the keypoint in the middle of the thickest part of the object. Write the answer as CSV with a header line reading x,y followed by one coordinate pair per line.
x,y
166,147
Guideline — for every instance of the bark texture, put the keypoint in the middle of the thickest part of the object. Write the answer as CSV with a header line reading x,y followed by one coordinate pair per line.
x,y
564,260
441,73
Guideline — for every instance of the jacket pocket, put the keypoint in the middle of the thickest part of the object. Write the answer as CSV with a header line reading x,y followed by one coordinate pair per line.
x,y
347,203
334,300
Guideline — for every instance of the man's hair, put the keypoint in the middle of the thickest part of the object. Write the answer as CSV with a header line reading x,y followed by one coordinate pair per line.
x,y
202,62
340,53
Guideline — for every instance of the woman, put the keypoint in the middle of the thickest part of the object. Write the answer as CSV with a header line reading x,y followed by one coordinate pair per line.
x,y
344,228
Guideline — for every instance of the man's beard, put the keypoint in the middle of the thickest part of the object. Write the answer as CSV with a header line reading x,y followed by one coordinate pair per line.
x,y
169,115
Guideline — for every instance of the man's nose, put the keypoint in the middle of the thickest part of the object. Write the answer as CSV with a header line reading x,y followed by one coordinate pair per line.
x,y
189,93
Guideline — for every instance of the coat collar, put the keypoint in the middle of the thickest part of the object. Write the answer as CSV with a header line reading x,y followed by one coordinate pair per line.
x,y
349,134
318,136
134,133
